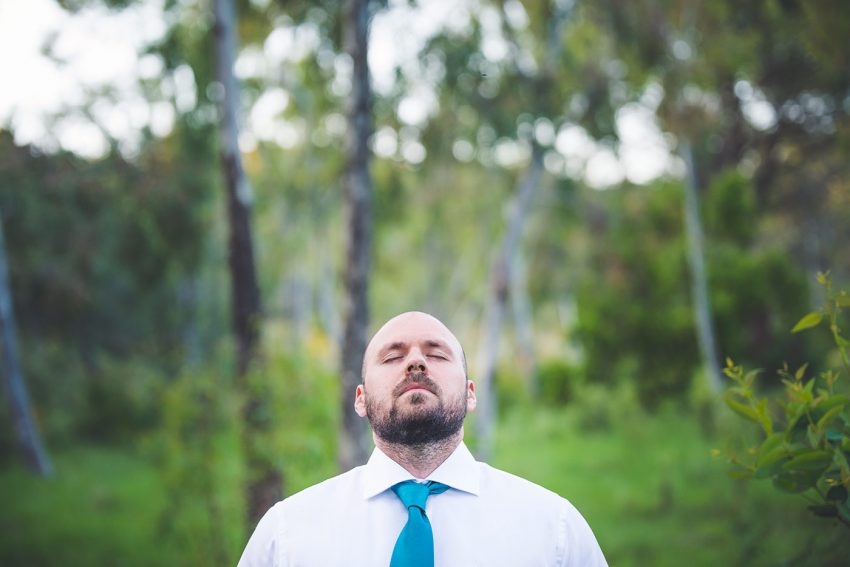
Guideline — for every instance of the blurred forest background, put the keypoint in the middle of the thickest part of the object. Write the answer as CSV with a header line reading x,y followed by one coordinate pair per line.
x,y
603,199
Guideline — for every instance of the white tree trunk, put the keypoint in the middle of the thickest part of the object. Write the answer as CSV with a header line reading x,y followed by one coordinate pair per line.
x,y
26,431
699,277
499,291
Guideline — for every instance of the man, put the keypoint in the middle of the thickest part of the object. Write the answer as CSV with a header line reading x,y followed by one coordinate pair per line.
x,y
422,499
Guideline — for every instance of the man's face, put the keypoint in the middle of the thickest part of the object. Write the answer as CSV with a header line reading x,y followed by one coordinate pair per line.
x,y
415,389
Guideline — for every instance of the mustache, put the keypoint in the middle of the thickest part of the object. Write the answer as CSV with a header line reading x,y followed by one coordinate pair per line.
x,y
418,378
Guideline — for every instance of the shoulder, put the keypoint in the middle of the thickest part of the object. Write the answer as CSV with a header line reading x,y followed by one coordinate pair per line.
x,y
332,489
530,504
496,480
287,519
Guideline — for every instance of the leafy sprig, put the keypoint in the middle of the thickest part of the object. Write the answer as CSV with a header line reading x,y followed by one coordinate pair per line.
x,y
806,448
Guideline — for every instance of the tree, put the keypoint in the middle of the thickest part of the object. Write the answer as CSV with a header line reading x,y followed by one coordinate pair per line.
x,y
353,442
265,485
26,431
503,265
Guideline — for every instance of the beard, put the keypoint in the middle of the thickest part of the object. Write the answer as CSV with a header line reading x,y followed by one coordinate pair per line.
x,y
417,425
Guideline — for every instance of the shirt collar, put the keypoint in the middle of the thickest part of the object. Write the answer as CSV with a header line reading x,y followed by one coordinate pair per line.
x,y
460,471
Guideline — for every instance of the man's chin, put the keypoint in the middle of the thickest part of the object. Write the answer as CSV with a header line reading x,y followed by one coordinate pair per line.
x,y
416,398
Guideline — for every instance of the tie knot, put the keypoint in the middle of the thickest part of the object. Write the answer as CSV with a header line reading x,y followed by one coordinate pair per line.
x,y
412,493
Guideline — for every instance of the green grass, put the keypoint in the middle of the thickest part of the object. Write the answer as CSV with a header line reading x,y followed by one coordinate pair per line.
x,y
647,485
101,508
654,495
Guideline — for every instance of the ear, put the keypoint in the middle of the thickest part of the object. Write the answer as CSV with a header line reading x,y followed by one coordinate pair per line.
x,y
471,400
360,400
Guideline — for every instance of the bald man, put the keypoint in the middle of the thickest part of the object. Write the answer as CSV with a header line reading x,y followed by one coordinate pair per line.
x,y
422,500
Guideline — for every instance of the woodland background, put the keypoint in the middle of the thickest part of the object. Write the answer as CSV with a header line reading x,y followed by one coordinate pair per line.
x,y
603,199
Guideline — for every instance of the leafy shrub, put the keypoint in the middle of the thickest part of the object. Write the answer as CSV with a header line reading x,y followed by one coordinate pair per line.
x,y
512,391
557,379
806,449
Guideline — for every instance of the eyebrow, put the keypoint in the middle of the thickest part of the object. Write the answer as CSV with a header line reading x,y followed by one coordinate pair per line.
x,y
437,344
391,347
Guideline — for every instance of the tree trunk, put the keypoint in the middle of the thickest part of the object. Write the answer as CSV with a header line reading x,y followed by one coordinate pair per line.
x,y
265,486
326,294
699,278
353,440
500,274
26,431
523,325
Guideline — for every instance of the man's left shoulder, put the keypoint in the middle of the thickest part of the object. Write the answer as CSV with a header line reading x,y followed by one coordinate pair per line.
x,y
544,514
504,482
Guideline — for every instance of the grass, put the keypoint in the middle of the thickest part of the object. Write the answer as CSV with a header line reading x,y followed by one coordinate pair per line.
x,y
647,485
654,495
101,508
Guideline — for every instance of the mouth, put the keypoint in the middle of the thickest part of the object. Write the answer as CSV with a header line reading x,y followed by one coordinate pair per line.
x,y
415,387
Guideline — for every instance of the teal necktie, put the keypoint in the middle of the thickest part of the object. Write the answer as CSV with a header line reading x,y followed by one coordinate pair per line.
x,y
415,544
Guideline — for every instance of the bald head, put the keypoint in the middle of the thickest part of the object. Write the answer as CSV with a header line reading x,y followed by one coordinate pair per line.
x,y
408,328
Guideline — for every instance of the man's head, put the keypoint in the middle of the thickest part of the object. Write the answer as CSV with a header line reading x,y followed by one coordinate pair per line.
x,y
415,389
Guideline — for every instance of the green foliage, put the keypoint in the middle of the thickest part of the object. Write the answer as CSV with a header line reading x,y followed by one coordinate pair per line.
x,y
205,461
557,379
637,484
805,449
634,314
97,250
642,479
199,457
101,508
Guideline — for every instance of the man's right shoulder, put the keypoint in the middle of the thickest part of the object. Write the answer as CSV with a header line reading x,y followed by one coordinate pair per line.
x,y
314,498
295,519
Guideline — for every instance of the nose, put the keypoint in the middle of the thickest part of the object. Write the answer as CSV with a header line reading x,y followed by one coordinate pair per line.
x,y
416,362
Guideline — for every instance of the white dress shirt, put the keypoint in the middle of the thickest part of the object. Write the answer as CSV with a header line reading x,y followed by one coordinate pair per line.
x,y
488,517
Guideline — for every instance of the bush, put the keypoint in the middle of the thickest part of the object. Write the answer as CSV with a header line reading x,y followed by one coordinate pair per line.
x,y
806,448
557,379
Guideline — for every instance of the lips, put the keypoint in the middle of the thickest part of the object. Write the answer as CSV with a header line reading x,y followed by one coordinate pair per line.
x,y
411,387
416,381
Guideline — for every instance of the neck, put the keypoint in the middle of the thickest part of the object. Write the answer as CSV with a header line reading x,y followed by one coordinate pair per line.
x,y
423,459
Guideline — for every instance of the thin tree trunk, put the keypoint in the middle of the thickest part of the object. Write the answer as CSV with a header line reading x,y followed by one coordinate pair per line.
x,y
326,300
499,287
26,432
502,266
523,324
353,440
699,277
265,487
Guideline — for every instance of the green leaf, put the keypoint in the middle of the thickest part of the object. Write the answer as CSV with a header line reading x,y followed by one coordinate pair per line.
x,y
842,299
833,401
844,510
812,319
764,418
791,483
814,435
771,443
829,415
809,461
801,372
770,463
824,510
743,410
837,493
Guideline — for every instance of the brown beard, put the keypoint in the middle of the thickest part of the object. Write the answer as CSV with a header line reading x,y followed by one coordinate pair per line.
x,y
418,427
